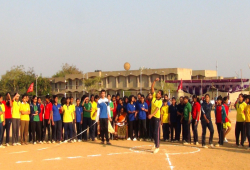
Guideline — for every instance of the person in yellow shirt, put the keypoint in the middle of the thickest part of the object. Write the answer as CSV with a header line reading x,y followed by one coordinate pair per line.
x,y
67,120
15,119
165,120
240,121
74,116
25,111
2,120
156,105
247,115
93,101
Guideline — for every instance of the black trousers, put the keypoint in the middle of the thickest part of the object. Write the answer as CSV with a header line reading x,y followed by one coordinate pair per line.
x,y
74,129
248,132
186,131
137,128
210,127
143,128
165,129
36,131
178,130
7,128
104,129
46,127
156,127
132,126
57,130
148,128
220,133
195,130
240,131
41,126
79,130
85,124
92,130
173,131
30,132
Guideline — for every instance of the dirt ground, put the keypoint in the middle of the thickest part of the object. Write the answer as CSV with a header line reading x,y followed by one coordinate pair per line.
x,y
127,155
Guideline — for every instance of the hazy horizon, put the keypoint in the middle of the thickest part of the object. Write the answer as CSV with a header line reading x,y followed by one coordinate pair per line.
x,y
103,35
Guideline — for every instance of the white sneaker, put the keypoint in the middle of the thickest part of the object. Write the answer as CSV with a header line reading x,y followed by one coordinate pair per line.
x,y
156,150
204,146
128,139
53,142
19,144
196,143
49,142
134,139
40,142
148,140
7,144
34,143
212,145
1,146
44,142
140,139
217,145
14,144
225,140
74,140
185,143
79,140
65,141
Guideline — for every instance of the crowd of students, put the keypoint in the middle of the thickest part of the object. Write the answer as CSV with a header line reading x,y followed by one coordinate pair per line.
x,y
132,118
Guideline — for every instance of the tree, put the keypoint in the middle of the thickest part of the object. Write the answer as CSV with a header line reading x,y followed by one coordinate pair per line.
x,y
67,69
18,80
166,86
93,84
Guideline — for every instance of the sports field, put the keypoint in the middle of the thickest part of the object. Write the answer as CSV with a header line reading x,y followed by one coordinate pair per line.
x,y
127,155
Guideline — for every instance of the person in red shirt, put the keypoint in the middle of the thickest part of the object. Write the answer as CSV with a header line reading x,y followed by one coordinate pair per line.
x,y
196,110
47,114
39,100
8,117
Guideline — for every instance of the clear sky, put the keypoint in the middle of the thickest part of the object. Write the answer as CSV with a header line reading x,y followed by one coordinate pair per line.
x,y
104,34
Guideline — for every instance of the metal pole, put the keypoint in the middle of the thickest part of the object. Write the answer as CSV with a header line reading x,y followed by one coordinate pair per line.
x,y
36,85
141,83
217,69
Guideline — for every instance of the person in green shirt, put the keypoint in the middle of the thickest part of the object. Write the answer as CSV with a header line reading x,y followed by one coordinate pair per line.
x,y
87,108
35,120
186,120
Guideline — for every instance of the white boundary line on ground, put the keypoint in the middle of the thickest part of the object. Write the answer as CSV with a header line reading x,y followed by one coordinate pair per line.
x,y
74,157
42,149
94,155
178,153
18,152
52,159
18,162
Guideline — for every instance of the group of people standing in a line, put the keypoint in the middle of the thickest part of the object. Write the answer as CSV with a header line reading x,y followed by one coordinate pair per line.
x,y
132,118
